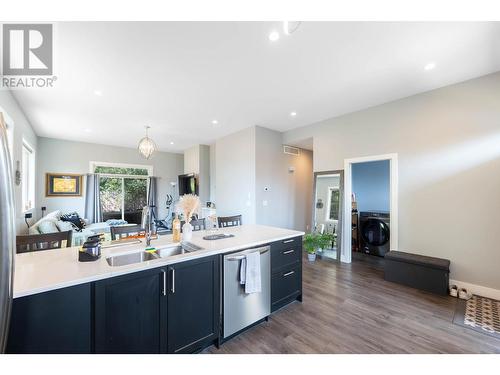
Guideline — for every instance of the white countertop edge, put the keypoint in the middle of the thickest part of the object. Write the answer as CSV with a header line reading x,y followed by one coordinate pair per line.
x,y
143,266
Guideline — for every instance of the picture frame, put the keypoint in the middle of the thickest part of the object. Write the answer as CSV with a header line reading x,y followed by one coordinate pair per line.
x,y
63,185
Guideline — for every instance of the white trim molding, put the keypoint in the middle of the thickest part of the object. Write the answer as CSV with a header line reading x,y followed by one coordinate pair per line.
x,y
479,290
93,164
346,254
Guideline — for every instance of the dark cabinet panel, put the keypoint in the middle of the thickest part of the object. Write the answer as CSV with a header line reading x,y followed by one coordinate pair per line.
x,y
193,304
130,313
286,269
58,321
283,256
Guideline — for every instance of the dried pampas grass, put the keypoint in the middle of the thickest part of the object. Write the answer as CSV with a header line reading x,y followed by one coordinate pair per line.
x,y
187,205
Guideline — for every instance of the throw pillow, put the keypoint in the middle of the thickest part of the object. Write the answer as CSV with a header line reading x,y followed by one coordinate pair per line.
x,y
64,225
75,219
47,226
53,215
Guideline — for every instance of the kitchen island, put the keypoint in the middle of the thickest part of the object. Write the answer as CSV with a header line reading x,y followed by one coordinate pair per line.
x,y
172,304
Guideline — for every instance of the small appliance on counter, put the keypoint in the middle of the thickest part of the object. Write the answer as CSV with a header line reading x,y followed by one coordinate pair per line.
x,y
90,250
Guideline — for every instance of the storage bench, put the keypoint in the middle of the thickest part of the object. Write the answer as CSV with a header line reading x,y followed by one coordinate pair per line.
x,y
418,271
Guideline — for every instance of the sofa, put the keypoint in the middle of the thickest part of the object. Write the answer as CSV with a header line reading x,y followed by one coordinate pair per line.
x,y
52,222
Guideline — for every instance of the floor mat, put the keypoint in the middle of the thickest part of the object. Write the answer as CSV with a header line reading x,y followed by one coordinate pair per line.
x,y
480,314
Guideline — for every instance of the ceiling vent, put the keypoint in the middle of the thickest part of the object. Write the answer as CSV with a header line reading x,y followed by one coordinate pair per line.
x,y
290,150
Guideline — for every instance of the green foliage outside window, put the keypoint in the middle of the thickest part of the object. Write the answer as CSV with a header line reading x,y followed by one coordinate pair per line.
x,y
118,191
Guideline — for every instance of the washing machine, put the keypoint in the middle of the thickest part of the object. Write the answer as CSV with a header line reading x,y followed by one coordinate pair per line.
x,y
374,229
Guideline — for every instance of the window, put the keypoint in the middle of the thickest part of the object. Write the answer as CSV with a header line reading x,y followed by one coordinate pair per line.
x,y
9,124
333,203
28,177
123,190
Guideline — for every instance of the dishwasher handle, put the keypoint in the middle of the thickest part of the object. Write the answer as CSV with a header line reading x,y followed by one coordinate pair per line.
x,y
240,257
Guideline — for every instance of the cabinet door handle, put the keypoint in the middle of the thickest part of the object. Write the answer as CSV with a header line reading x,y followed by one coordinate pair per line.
x,y
172,287
164,282
288,241
288,251
288,273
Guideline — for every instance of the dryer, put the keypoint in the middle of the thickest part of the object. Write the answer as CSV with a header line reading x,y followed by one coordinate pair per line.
x,y
374,230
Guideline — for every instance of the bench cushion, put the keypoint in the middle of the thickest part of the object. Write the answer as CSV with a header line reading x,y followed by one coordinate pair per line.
x,y
421,260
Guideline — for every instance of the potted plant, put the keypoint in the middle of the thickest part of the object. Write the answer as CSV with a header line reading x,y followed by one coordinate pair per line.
x,y
311,245
315,241
187,205
325,240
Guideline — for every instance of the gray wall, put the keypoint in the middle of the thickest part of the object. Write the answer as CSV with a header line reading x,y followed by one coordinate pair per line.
x,y
197,161
22,129
286,203
59,156
371,182
250,160
235,175
448,145
212,171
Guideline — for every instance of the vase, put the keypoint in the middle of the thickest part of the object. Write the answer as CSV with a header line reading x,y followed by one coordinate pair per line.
x,y
311,257
187,232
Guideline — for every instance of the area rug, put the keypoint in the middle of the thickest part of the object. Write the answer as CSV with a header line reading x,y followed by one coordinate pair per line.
x,y
480,314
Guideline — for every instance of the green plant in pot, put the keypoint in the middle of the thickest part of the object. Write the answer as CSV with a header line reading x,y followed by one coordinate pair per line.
x,y
310,245
315,241
325,240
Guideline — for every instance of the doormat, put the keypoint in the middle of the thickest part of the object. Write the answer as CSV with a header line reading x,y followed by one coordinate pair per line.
x,y
480,314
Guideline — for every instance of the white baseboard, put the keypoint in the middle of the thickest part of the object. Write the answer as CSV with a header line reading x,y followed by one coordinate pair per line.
x,y
477,289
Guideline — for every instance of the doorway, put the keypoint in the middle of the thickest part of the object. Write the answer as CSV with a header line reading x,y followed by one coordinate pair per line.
x,y
347,228
328,197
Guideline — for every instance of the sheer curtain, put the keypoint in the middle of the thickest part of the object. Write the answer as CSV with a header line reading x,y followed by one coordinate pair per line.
x,y
93,211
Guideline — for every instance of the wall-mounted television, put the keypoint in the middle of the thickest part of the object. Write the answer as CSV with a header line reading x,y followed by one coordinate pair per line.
x,y
188,184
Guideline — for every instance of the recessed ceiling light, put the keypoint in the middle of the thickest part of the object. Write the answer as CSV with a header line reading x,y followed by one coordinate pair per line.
x,y
171,143
430,66
293,114
215,122
274,36
97,92
87,130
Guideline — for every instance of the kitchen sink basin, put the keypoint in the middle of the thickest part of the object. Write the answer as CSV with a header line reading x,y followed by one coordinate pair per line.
x,y
183,248
144,256
131,258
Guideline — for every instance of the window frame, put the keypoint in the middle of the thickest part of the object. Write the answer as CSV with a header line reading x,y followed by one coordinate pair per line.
x,y
94,164
28,177
9,124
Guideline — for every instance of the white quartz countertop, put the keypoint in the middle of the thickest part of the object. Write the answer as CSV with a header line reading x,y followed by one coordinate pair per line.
x,y
42,271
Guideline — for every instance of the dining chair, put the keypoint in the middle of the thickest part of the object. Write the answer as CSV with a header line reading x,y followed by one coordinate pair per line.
x,y
123,231
198,224
40,242
229,221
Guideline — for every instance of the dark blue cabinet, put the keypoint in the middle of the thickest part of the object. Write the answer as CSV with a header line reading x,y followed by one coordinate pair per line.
x,y
57,322
174,309
286,272
193,304
131,314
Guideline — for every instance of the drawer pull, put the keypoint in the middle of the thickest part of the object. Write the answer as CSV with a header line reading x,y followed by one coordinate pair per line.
x,y
288,251
288,273
288,241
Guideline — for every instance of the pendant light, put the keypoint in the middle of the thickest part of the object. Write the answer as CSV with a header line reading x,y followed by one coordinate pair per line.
x,y
146,145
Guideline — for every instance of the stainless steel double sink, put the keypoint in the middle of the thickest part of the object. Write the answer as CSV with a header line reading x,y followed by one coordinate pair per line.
x,y
145,256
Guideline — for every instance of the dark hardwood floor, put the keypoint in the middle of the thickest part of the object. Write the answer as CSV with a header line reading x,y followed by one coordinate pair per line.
x,y
349,308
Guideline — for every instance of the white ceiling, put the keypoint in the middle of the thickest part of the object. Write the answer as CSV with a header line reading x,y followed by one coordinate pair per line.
x,y
179,76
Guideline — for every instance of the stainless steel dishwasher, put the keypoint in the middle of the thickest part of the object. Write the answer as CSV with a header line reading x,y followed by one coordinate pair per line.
x,y
241,309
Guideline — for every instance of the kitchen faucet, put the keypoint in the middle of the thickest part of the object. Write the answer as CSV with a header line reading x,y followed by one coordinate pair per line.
x,y
147,225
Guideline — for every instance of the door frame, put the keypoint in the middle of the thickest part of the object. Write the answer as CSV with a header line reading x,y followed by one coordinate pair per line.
x,y
346,251
340,223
